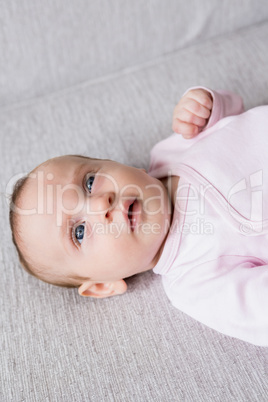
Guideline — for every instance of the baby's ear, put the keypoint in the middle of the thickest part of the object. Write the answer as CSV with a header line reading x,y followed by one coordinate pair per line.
x,y
102,289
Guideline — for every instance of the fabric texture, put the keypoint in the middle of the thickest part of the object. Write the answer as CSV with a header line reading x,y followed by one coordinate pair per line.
x,y
67,86
48,47
214,264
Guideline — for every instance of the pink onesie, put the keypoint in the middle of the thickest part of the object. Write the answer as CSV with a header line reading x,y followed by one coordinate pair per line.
x,y
214,265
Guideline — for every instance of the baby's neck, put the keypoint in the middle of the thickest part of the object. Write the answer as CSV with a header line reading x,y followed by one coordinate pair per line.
x,y
171,184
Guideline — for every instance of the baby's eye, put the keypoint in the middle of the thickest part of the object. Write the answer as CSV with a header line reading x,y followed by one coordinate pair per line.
x,y
89,182
79,232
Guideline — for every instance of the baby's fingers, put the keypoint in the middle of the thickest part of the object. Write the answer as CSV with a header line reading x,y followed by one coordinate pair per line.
x,y
194,107
187,130
201,96
188,117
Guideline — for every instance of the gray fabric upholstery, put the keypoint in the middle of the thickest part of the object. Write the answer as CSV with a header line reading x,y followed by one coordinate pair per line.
x,y
48,46
101,79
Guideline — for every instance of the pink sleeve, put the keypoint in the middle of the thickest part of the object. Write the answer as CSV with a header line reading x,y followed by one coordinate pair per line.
x,y
225,103
229,294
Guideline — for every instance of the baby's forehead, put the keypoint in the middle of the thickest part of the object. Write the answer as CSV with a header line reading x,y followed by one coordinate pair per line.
x,y
52,170
59,167
62,161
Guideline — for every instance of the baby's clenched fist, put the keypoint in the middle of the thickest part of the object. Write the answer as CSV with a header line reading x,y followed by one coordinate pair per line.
x,y
192,113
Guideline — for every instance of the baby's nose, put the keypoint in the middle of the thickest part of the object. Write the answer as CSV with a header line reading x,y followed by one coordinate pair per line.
x,y
100,204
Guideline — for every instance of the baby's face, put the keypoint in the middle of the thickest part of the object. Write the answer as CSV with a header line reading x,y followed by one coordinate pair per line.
x,y
94,218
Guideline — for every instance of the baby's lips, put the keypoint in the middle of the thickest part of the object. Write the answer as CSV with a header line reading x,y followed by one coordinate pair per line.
x,y
125,208
136,214
131,212
126,204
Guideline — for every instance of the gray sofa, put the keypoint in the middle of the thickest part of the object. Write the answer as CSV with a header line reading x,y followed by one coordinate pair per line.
x,y
101,78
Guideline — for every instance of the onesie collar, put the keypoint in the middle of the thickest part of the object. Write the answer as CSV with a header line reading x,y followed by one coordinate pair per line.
x,y
174,237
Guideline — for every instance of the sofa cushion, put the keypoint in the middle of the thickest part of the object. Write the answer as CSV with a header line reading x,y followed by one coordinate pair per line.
x,y
51,45
56,345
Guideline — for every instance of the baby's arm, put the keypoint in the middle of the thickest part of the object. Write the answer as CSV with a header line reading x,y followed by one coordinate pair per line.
x,y
229,294
201,108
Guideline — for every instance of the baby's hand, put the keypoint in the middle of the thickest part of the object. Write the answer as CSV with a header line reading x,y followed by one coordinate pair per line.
x,y
192,113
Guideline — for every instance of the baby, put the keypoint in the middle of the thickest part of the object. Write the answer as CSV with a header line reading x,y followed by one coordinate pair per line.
x,y
198,217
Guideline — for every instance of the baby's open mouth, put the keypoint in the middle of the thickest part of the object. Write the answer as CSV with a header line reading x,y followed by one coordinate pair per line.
x,y
133,210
